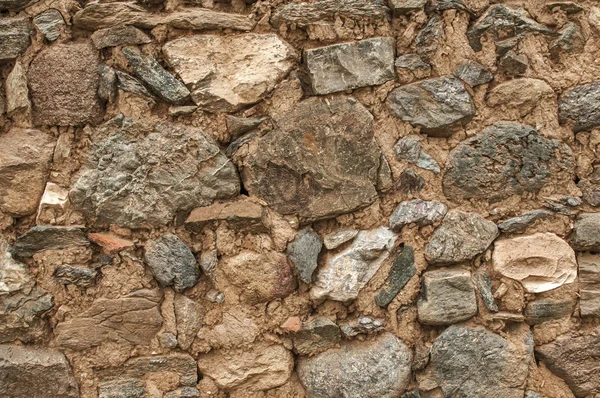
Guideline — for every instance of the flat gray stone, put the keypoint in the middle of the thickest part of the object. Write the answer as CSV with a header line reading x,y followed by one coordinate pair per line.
x,y
580,107
417,211
78,276
589,284
303,253
303,14
586,232
473,73
315,336
521,222
44,237
49,23
540,311
132,85
14,37
122,35
171,262
403,268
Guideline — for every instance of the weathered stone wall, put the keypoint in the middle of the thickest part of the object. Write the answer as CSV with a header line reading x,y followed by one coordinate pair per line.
x,y
324,198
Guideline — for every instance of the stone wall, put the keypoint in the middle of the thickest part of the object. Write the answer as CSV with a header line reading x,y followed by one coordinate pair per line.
x,y
324,198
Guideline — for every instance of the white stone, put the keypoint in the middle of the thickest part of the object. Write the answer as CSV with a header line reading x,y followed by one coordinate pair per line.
x,y
54,200
13,274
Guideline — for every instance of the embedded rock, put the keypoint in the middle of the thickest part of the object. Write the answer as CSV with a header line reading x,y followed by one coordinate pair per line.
x,y
513,64
430,37
69,275
130,84
580,107
569,41
410,182
240,125
224,74
507,159
524,95
121,184
347,66
417,211
378,368
473,73
303,253
17,93
14,37
35,372
590,188
25,157
447,297
63,81
303,14
242,213
49,23
589,284
285,169
338,238
348,271
545,310
435,105
403,268
586,232
401,7
484,285
110,243
44,237
122,35
409,149
521,222
362,325
461,237
14,275
189,316
171,262
315,336
411,67
22,311
541,262
15,5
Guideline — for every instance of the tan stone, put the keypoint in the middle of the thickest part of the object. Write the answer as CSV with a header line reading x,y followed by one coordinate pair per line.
x,y
17,93
110,243
520,94
242,213
541,262
189,317
589,284
53,205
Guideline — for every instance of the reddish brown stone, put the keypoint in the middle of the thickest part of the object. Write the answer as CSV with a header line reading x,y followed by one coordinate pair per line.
x,y
109,242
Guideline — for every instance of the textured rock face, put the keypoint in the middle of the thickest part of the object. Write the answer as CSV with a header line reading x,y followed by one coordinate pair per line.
x,y
14,35
521,222
49,23
579,106
546,310
121,185
589,284
121,35
541,262
304,14
22,307
507,159
303,253
409,149
402,270
63,82
227,73
315,336
284,168
376,368
43,237
171,262
35,372
17,93
418,212
347,66
586,232
242,213
473,73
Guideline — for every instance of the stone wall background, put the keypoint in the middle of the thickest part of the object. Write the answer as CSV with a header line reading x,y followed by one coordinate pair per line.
x,y
331,198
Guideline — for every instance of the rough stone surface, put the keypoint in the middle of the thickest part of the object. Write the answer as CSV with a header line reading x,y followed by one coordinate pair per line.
x,y
130,188
347,66
315,336
171,262
49,23
189,315
122,35
409,149
362,325
44,237
401,7
473,73
579,106
82,277
507,159
541,262
513,64
14,5
17,93
435,105
521,222
240,125
484,285
461,237
284,169
540,311
589,284
110,243
303,14
417,211
379,368
338,238
22,311
225,74
35,372
403,269
348,271
14,37
590,188
303,253
586,232
410,182
242,213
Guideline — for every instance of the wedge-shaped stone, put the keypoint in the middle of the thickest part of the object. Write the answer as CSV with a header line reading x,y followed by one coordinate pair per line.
x,y
14,37
241,213
17,93
303,14
417,211
44,237
589,284
171,262
49,23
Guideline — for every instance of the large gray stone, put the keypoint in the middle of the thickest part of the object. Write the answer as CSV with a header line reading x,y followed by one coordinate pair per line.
x,y
44,237
49,23
14,37
580,106
303,14
506,159
347,66
586,232
304,252
589,284
171,262
436,105
461,237
121,184
417,211
378,368
320,161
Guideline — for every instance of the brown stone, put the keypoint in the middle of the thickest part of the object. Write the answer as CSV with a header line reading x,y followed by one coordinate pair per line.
x,y
293,324
17,93
188,314
589,284
241,213
110,243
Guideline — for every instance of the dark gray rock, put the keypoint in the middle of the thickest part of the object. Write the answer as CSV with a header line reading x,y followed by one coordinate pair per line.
x,y
435,105
430,37
412,394
589,284
409,148
507,159
473,73
316,336
586,232
303,14
347,66
132,85
545,310
161,82
590,188
447,297
303,253
563,204
403,268
418,212
49,23
411,62
401,7
171,262
15,5
513,64
121,388
440,6
14,37
44,237
82,277
107,87
570,41
461,237
574,358
580,107
122,35
22,316
409,182
378,368
484,285
521,222
121,184
362,325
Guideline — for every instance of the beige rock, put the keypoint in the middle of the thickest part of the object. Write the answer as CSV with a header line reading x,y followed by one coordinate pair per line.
x,y
17,93
541,262
236,329
54,204
259,368
521,94
119,36
589,284
226,73
13,274
242,213
189,320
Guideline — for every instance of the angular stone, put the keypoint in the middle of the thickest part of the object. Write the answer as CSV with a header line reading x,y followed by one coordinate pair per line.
x,y
447,297
35,372
513,64
586,232
259,368
409,181
14,275
121,184
241,213
25,157
63,81
403,269
429,38
22,313
417,211
82,277
122,35
473,73
315,336
401,7
161,82
182,110
474,362
378,368
461,237
224,74
303,14
574,358
208,263
303,253
49,23
107,87
507,159
130,84
189,316
121,388
524,94
484,285
545,310
409,148
285,169
580,106
569,41
589,284
435,105
347,66
134,318
338,238
171,262
110,243
44,237
14,37
541,261
240,125
521,222
348,271
261,277
567,6
411,67
590,188
362,325
17,93
15,5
